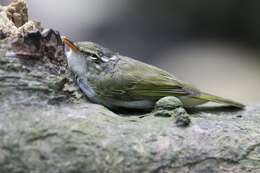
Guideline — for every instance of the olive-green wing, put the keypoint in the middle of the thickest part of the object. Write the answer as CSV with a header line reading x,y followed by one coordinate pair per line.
x,y
134,80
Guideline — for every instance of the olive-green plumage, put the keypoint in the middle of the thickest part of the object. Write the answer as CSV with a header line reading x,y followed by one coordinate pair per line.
x,y
114,80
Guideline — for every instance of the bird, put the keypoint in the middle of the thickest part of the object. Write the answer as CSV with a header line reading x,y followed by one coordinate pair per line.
x,y
117,81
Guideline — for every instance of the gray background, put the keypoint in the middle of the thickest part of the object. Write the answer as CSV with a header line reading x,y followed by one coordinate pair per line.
x,y
211,44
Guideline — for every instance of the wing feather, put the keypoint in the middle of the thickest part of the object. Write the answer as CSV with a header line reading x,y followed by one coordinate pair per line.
x,y
134,80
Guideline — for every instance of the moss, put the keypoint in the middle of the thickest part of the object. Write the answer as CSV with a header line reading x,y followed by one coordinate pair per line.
x,y
57,83
40,134
16,67
172,107
168,103
249,164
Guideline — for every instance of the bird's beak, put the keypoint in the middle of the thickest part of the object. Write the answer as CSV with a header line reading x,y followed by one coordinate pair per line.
x,y
70,44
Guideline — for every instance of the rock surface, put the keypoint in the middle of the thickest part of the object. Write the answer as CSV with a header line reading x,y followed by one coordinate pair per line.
x,y
27,37
12,18
45,128
46,125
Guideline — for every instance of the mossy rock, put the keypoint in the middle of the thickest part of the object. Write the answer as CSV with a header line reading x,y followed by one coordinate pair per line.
x,y
38,136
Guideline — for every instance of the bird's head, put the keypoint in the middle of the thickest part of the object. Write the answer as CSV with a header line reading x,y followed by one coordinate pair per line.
x,y
86,54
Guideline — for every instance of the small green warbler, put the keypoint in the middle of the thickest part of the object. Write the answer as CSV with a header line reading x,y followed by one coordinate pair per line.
x,y
117,81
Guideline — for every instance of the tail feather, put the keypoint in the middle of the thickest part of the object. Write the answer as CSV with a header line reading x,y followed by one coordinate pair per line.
x,y
218,99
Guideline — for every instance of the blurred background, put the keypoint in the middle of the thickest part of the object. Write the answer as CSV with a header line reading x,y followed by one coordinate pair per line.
x,y
214,45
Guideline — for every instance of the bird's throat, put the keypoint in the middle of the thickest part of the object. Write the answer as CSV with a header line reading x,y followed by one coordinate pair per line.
x,y
76,62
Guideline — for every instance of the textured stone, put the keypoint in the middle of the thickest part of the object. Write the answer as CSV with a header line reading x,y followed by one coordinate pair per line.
x,y
172,107
13,17
29,39
45,129
168,103
47,126
17,12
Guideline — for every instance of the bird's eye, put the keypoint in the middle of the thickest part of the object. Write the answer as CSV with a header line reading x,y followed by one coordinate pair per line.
x,y
98,60
95,60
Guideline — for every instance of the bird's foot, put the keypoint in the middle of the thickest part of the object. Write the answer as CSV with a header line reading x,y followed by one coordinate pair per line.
x,y
171,106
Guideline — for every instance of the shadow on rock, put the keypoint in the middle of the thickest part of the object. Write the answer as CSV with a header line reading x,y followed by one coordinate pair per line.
x,y
213,109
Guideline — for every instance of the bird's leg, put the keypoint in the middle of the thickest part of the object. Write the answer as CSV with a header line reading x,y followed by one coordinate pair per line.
x,y
171,106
